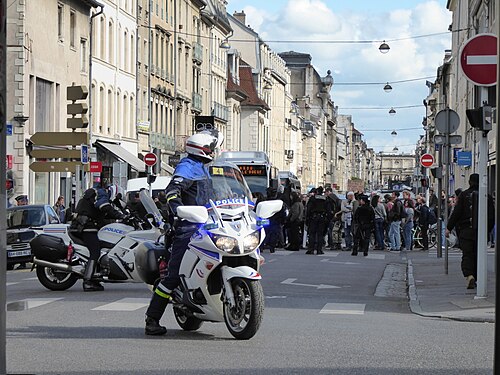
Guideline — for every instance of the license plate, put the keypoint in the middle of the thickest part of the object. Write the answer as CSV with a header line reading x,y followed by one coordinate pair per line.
x,y
18,253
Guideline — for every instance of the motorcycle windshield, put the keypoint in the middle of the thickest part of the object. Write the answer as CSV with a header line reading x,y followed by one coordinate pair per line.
x,y
225,186
150,205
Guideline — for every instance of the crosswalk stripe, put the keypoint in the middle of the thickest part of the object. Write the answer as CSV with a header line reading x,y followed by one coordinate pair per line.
x,y
13,283
343,308
124,304
376,256
29,303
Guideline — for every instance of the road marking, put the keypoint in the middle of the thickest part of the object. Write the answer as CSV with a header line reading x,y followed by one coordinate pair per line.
x,y
329,255
343,308
13,283
275,297
321,286
29,303
376,256
124,304
329,261
31,278
283,252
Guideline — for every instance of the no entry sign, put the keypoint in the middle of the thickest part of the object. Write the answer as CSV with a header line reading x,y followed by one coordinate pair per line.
x,y
150,159
478,59
426,160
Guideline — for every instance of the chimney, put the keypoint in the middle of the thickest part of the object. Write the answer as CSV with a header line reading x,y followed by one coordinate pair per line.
x,y
240,16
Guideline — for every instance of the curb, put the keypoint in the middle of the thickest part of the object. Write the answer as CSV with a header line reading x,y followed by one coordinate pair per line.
x,y
416,309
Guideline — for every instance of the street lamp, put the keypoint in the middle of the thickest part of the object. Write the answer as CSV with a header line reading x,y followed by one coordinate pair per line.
x,y
384,47
392,111
394,133
395,149
387,87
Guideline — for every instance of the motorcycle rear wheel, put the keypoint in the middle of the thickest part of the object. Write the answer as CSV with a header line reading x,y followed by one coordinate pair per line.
x,y
187,323
243,321
55,280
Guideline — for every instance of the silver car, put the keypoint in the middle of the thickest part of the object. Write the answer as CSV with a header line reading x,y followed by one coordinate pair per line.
x,y
23,224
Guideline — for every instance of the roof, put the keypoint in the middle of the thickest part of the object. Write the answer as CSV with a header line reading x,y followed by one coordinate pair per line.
x,y
92,3
248,86
232,86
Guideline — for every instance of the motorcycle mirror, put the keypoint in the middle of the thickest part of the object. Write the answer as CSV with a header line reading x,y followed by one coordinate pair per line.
x,y
193,214
267,209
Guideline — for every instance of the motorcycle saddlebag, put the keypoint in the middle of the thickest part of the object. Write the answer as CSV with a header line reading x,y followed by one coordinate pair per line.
x,y
147,260
49,248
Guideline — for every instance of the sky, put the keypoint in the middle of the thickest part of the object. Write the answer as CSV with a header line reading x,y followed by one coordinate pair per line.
x,y
352,32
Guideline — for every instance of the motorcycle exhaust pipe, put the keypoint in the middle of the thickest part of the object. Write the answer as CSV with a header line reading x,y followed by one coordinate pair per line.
x,y
57,266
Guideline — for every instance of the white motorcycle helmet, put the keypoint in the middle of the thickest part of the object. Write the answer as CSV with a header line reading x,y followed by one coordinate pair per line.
x,y
202,145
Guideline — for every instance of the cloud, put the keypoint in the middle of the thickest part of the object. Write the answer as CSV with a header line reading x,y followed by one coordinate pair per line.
x,y
359,61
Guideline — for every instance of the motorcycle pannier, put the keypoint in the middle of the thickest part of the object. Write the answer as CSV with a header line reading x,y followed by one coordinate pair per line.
x,y
49,248
147,259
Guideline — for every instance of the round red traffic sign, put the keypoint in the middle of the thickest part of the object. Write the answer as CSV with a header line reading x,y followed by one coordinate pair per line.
x,y
478,59
426,160
150,159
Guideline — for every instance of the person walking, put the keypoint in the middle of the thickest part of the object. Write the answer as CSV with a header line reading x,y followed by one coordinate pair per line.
x,y
394,218
294,221
349,205
364,218
60,209
379,222
422,212
408,224
335,202
318,210
464,220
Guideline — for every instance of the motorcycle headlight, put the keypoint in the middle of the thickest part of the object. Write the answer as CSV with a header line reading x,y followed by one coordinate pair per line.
x,y
225,243
251,241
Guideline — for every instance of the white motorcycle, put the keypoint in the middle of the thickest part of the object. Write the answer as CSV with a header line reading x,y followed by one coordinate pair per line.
x,y
220,280
60,256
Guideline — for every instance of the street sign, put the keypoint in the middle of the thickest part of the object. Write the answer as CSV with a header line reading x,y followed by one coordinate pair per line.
x,y
95,166
8,129
56,166
464,158
427,160
447,121
478,59
150,159
84,154
59,138
453,139
55,153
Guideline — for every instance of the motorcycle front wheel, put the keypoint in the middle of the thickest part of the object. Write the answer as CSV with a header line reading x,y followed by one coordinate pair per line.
x,y
243,321
187,323
54,279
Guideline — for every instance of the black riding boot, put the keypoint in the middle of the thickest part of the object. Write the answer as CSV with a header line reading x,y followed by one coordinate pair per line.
x,y
154,313
90,285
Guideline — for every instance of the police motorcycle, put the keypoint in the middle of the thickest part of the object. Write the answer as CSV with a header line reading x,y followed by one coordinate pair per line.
x,y
220,279
60,256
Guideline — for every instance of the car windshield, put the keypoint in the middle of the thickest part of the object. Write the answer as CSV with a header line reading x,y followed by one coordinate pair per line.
x,y
25,217
225,186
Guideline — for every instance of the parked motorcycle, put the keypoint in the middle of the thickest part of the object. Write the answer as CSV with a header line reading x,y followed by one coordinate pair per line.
x,y
220,280
60,256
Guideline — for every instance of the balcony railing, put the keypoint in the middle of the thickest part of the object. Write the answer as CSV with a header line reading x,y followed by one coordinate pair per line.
x,y
162,141
197,102
220,111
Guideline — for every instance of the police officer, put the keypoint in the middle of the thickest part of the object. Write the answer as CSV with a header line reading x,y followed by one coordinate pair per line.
x,y
462,218
187,187
94,211
318,210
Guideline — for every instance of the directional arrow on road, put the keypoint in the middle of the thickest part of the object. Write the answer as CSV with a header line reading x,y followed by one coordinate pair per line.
x,y
321,286
329,261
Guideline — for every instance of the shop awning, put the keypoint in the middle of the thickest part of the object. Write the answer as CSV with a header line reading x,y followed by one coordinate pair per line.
x,y
124,155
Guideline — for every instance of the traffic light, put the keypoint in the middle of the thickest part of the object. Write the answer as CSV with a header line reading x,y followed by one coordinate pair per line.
x,y
151,178
480,118
74,109
437,172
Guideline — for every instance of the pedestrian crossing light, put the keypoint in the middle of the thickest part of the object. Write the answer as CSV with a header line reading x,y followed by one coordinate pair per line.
x,y
480,118
77,111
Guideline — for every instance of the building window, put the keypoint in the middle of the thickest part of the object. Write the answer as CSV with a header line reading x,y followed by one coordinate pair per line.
x,y
111,44
125,50
110,110
60,22
43,105
102,109
83,55
72,28
102,34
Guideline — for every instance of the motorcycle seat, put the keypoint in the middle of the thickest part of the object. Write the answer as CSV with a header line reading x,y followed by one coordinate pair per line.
x,y
77,240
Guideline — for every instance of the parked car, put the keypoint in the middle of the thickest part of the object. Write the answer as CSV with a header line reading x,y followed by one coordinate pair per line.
x,y
23,224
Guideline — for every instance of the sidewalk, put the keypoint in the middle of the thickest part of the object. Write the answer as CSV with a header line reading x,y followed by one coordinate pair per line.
x,y
434,294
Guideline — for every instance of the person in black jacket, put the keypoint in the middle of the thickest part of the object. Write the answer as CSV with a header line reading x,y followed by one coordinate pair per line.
x,y
92,212
294,221
423,221
364,220
318,210
463,219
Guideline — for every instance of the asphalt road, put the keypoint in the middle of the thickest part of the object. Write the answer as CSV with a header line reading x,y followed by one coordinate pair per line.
x,y
331,314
